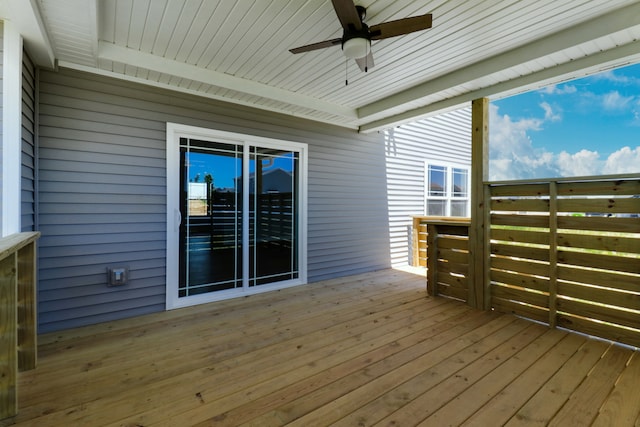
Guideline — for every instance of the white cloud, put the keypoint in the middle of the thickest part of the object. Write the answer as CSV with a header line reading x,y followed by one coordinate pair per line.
x,y
625,160
636,117
512,155
549,113
614,101
556,90
582,163
613,77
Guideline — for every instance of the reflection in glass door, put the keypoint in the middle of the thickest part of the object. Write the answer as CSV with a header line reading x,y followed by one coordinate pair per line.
x,y
274,206
211,209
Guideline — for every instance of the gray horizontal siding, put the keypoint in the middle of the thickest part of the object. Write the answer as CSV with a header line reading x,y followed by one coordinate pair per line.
x,y
102,199
446,137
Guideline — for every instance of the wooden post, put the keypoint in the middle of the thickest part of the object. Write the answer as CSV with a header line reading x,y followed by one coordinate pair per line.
x,y
432,260
27,324
553,253
8,336
479,174
487,248
415,241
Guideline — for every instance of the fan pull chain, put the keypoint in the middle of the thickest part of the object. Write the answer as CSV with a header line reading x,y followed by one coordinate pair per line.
x,y
366,60
346,72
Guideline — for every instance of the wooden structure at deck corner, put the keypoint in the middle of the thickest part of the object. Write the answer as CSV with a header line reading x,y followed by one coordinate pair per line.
x,y
18,341
565,252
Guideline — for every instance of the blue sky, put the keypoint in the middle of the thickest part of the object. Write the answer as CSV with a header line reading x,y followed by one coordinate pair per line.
x,y
589,126
224,169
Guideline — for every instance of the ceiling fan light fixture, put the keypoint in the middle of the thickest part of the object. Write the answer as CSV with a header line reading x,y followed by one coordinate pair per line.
x,y
357,47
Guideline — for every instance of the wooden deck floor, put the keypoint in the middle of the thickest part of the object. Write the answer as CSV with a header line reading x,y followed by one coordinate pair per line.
x,y
371,349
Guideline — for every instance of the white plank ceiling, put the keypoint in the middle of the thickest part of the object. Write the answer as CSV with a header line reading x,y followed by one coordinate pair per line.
x,y
238,51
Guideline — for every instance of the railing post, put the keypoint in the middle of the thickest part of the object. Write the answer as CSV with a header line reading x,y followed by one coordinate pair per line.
x,y
479,174
415,241
432,259
8,336
487,248
553,253
27,324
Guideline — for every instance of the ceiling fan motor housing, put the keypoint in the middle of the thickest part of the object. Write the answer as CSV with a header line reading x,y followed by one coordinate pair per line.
x,y
356,47
356,43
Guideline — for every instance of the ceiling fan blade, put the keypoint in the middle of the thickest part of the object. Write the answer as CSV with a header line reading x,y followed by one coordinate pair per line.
x,y
366,63
347,14
400,27
316,46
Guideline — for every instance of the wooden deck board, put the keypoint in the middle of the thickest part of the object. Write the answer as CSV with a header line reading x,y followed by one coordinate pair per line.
x,y
371,349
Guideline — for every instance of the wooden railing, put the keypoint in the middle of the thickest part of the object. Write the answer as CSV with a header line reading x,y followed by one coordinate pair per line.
x,y
18,345
442,245
566,252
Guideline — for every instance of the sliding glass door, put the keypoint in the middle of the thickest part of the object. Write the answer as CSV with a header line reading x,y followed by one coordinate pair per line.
x,y
236,216
211,211
273,210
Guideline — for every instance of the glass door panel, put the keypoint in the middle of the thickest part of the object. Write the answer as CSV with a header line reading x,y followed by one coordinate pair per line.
x,y
274,207
211,210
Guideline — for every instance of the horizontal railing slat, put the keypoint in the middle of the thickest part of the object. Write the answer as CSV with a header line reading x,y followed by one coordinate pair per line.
x,y
530,312
521,266
614,187
526,190
601,261
600,205
599,295
523,252
600,242
453,292
600,312
451,280
608,224
520,295
454,256
610,279
540,221
599,329
452,267
520,236
523,280
529,205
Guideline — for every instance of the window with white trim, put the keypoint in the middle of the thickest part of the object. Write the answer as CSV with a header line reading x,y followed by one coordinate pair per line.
x,y
447,190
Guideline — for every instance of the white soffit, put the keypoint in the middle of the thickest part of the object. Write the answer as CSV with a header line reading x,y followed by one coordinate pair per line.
x,y
26,18
237,51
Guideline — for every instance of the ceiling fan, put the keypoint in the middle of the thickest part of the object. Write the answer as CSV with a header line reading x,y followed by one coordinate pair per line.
x,y
357,36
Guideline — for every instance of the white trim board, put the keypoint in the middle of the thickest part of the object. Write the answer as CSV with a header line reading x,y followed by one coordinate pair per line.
x,y
11,128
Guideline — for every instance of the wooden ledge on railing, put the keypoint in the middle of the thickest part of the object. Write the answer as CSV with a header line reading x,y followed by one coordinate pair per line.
x,y
18,342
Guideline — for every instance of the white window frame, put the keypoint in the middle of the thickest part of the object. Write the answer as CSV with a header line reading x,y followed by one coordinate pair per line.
x,y
448,197
174,133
